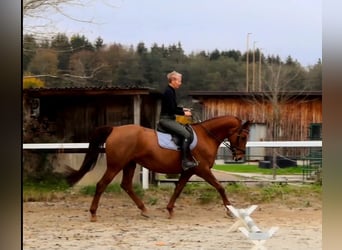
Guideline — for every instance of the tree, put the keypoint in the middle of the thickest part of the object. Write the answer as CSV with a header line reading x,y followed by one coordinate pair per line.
x,y
99,43
29,49
235,54
81,63
79,43
44,62
289,61
198,70
215,55
62,46
34,8
37,14
88,68
155,66
293,75
113,56
276,83
233,74
44,44
175,54
314,77
38,20
141,49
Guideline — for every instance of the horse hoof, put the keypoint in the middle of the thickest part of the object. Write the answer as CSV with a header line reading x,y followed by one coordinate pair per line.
x,y
145,214
230,214
170,210
93,218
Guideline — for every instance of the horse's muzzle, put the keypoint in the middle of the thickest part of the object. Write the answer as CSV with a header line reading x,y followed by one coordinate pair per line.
x,y
237,157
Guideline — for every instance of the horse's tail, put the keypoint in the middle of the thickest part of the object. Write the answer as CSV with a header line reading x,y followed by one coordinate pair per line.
x,y
97,139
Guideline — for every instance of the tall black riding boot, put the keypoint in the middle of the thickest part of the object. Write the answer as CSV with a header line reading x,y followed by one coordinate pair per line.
x,y
186,163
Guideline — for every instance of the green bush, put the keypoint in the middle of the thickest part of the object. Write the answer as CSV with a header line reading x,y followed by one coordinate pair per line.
x,y
113,188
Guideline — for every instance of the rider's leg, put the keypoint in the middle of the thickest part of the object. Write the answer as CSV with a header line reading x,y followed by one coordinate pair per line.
x,y
172,125
186,163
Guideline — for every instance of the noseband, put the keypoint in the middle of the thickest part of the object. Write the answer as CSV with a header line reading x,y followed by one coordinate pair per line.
x,y
234,148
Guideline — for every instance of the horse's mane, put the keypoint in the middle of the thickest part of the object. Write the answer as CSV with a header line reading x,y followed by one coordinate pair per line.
x,y
216,118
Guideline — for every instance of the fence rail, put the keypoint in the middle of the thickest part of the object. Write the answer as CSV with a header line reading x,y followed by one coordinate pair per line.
x,y
82,147
262,144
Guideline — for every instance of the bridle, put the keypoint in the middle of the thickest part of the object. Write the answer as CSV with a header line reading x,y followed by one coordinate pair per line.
x,y
232,148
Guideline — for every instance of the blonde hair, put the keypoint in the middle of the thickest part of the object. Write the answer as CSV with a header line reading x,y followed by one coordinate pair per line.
x,y
172,75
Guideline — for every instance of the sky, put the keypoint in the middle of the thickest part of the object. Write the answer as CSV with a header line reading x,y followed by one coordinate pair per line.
x,y
285,28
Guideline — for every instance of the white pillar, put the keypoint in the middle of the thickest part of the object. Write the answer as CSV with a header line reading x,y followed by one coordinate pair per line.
x,y
137,119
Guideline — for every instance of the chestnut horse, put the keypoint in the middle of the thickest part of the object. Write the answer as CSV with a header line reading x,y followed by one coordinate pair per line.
x,y
127,145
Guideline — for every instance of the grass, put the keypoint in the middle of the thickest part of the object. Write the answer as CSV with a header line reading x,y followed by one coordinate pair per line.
x,y
247,168
112,188
54,189
44,190
202,193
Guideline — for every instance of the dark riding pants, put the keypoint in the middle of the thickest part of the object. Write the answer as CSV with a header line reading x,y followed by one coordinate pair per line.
x,y
174,126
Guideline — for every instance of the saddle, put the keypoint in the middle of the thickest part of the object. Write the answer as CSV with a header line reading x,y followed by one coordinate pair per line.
x,y
176,139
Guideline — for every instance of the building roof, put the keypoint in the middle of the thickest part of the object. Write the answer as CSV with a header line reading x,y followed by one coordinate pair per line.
x,y
91,91
220,94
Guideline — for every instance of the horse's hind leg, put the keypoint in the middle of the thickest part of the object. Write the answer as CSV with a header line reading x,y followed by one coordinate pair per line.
x,y
100,188
126,184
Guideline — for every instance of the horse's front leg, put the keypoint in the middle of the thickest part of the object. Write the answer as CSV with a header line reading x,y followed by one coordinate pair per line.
x,y
208,176
183,179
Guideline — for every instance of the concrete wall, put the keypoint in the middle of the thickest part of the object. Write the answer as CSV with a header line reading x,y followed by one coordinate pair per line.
x,y
74,160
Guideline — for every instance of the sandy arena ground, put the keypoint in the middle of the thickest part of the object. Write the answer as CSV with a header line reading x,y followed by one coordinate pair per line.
x,y
65,224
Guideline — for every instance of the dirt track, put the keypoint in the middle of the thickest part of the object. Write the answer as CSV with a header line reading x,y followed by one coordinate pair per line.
x,y
65,225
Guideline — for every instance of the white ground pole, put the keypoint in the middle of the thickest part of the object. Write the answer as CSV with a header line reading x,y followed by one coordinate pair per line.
x,y
248,227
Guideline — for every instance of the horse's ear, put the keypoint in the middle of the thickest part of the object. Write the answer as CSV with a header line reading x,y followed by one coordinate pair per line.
x,y
247,123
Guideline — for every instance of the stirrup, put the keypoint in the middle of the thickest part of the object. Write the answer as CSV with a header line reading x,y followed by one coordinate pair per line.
x,y
186,164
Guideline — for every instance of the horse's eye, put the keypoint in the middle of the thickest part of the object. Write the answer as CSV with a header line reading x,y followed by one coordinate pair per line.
x,y
243,138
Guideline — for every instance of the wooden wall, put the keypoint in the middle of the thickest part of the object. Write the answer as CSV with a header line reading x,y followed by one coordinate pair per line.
x,y
70,116
296,115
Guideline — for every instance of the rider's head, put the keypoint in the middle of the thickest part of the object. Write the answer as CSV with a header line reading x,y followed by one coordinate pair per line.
x,y
175,79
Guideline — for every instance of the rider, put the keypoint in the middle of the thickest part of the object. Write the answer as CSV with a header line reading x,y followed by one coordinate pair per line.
x,y
169,110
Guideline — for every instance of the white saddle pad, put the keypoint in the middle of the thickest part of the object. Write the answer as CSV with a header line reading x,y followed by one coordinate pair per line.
x,y
165,141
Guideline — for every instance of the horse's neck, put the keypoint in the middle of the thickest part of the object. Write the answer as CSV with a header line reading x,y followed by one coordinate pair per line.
x,y
221,127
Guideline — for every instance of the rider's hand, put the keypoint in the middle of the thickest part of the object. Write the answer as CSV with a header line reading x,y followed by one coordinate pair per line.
x,y
187,113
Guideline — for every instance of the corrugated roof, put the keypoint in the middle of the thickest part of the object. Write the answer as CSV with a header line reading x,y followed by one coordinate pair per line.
x,y
88,88
101,90
246,94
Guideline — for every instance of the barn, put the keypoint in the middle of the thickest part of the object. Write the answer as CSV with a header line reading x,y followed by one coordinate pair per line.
x,y
300,115
77,111
69,115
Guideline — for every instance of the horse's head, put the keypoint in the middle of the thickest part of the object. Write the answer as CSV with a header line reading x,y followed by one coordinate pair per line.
x,y
238,141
